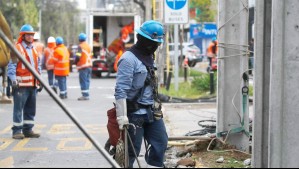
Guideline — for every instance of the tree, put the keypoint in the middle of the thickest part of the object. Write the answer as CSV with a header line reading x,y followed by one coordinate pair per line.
x,y
18,13
205,9
61,18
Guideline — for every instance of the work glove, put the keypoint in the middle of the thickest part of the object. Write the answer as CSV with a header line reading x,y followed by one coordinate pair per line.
x,y
40,88
121,113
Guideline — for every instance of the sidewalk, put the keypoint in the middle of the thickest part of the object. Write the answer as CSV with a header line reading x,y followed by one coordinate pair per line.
x,y
181,118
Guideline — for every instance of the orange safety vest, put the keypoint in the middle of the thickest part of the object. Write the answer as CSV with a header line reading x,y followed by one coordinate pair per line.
x,y
49,54
120,53
85,58
24,76
39,48
61,61
212,49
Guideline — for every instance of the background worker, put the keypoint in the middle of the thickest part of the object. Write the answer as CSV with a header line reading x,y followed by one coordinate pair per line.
x,y
84,64
61,66
48,62
24,86
212,50
136,95
39,46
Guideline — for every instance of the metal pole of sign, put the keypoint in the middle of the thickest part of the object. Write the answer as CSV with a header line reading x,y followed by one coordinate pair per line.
x,y
59,102
176,56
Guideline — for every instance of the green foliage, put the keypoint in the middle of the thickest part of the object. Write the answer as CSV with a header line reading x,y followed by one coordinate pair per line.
x,y
202,83
198,88
18,13
190,73
207,10
58,18
61,18
185,91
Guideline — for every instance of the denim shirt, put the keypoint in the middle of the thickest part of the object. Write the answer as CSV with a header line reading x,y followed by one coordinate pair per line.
x,y
12,67
130,80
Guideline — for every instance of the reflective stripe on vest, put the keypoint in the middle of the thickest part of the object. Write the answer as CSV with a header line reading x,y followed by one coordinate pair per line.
x,y
23,75
85,59
49,58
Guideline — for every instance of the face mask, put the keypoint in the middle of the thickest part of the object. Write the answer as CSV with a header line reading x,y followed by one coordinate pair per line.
x,y
148,46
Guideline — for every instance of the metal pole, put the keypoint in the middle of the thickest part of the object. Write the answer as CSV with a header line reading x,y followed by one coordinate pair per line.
x,y
59,101
176,57
212,90
126,148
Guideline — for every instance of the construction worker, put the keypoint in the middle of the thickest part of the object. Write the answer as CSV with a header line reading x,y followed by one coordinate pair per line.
x,y
212,50
136,95
24,86
48,62
61,66
84,64
38,45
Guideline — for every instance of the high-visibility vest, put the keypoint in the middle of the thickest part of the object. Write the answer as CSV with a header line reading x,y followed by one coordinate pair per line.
x,y
39,48
61,61
24,76
49,54
212,50
120,53
85,56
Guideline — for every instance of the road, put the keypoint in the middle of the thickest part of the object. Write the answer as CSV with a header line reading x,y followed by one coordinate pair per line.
x,y
61,144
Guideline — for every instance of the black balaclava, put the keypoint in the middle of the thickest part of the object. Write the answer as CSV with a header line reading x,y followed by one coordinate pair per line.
x,y
144,50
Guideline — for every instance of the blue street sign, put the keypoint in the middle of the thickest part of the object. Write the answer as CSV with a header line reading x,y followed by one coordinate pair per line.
x,y
176,4
203,30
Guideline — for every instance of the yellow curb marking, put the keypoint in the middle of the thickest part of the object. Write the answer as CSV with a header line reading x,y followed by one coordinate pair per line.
x,y
6,143
7,163
62,129
62,145
21,146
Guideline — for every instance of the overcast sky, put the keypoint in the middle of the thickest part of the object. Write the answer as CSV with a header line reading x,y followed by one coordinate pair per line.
x,y
82,4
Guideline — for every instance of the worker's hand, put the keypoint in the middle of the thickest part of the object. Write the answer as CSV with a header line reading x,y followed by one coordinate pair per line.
x,y
122,121
121,113
40,88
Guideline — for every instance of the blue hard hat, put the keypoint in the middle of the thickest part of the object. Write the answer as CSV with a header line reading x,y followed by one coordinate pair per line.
x,y
59,40
82,37
214,39
27,29
152,30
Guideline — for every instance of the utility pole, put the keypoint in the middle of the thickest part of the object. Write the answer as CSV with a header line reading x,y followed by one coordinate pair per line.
x,y
148,10
232,63
262,59
284,79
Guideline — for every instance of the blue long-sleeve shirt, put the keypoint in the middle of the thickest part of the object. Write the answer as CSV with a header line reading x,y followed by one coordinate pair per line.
x,y
130,80
12,67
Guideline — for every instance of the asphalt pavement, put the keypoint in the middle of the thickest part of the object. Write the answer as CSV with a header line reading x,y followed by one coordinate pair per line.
x,y
63,145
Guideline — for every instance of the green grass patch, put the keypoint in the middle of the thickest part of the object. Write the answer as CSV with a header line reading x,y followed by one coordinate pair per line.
x,y
190,73
185,91
199,87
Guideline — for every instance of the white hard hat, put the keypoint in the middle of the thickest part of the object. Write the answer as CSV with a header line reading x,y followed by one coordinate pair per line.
x,y
51,40
36,36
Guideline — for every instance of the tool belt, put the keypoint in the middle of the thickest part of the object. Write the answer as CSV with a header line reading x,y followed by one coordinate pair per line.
x,y
133,106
